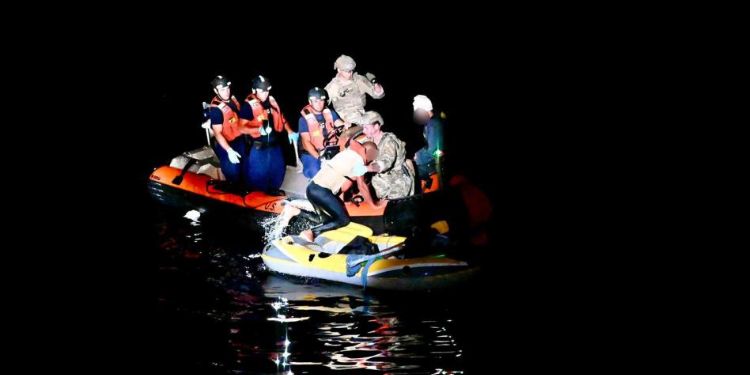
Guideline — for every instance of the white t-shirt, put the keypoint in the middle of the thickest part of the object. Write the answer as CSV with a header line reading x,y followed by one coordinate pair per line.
x,y
333,173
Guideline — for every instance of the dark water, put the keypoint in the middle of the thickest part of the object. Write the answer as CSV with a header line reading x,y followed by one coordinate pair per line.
x,y
221,311
507,130
216,309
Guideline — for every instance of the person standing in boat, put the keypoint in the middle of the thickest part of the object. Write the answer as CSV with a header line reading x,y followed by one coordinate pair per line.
x,y
433,133
323,190
261,115
316,128
394,174
230,146
348,90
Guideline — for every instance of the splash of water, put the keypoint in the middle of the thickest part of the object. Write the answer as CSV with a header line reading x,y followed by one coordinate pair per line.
x,y
273,228
276,227
194,217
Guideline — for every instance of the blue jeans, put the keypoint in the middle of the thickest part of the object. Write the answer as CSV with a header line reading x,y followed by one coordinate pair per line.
x,y
233,172
265,167
310,165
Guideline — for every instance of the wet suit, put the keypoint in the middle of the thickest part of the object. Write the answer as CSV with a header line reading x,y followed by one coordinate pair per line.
x,y
330,178
329,207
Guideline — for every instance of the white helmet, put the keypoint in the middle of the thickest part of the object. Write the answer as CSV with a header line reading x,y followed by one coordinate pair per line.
x,y
422,102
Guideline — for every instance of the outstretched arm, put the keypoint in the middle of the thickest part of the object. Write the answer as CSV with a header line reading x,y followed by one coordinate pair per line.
x,y
364,190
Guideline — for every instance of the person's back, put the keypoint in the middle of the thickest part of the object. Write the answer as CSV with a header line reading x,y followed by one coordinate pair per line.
x,y
333,173
322,190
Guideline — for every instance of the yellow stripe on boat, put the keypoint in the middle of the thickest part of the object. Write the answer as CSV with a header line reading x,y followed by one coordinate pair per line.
x,y
337,262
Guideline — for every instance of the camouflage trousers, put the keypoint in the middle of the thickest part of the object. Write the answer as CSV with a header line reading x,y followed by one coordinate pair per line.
x,y
397,183
352,114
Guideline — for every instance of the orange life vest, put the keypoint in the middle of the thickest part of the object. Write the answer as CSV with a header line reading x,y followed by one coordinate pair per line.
x,y
260,114
230,128
317,137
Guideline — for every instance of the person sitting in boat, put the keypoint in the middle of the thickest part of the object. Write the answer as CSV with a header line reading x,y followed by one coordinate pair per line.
x,y
348,90
317,131
433,134
261,115
230,144
394,176
326,184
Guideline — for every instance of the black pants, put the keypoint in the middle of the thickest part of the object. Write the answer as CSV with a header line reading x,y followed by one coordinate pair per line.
x,y
329,207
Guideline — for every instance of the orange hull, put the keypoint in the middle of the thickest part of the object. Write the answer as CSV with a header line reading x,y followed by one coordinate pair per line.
x,y
198,184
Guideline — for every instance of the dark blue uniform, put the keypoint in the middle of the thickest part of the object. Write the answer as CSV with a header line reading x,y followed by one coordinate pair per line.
x,y
265,168
234,173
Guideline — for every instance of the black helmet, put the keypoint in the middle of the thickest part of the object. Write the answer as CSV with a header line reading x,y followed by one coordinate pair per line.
x,y
261,83
317,92
220,81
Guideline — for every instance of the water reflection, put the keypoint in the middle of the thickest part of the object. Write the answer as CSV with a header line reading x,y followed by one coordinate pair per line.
x,y
225,314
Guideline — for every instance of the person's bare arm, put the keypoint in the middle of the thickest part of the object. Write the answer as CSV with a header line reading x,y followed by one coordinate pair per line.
x,y
219,137
308,146
364,191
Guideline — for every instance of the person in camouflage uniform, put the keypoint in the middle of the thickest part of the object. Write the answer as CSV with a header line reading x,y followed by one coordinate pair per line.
x,y
348,90
394,176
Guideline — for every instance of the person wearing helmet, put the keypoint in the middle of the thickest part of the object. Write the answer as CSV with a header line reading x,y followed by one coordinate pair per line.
x,y
394,176
261,117
316,127
230,145
323,190
348,90
433,135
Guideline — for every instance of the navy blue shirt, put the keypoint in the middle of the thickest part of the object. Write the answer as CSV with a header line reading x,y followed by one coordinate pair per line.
x,y
246,111
217,117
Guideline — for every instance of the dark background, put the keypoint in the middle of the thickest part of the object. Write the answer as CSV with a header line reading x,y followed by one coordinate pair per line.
x,y
517,126
459,80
